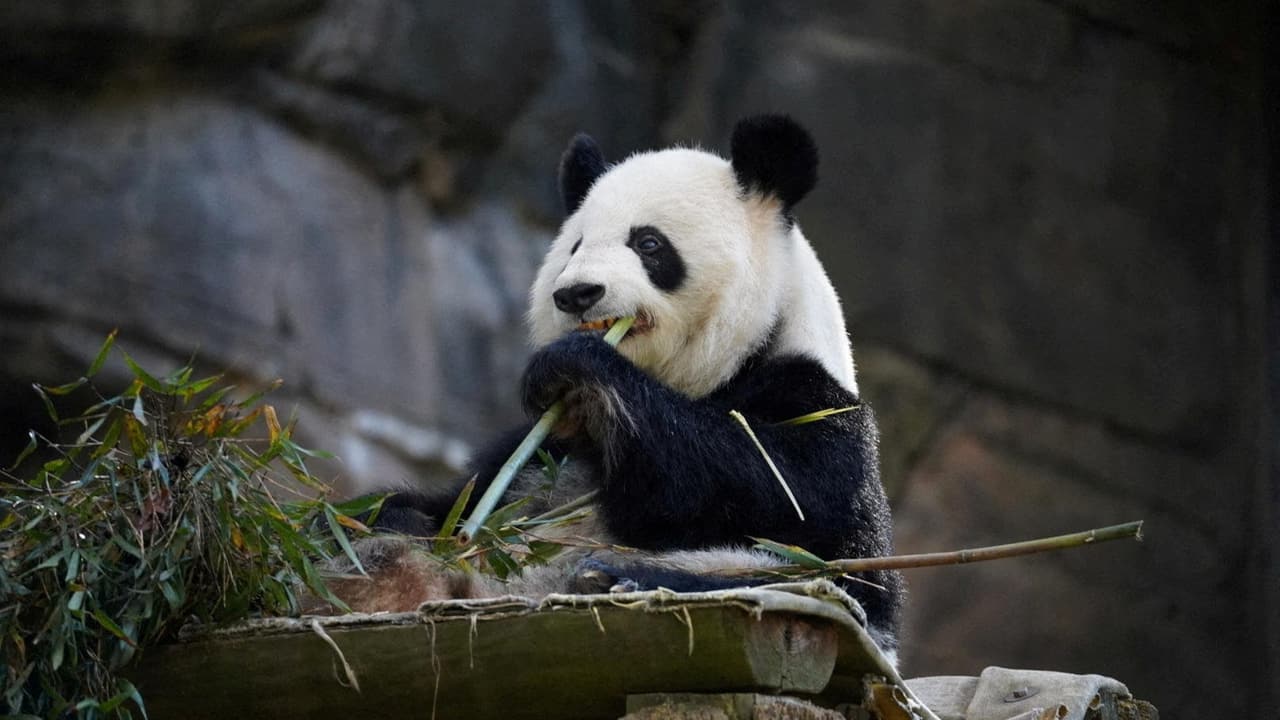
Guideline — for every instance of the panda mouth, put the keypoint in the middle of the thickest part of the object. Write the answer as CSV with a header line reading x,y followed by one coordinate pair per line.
x,y
642,324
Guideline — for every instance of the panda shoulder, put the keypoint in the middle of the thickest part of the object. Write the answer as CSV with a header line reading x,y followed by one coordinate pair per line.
x,y
791,383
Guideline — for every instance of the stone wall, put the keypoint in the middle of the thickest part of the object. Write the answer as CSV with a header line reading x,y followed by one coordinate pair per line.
x,y
1047,219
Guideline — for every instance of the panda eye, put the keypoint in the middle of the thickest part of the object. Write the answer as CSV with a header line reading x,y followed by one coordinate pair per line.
x,y
648,243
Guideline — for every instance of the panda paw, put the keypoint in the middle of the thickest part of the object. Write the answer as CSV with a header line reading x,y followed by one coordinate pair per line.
x,y
594,577
578,360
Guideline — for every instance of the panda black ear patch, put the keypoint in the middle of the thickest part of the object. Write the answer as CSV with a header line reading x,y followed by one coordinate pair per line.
x,y
580,165
772,154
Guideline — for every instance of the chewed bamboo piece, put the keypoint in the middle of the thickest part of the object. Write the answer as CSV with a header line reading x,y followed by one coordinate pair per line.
x,y
526,449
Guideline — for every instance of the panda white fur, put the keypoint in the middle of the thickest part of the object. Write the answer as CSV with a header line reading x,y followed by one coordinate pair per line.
x,y
735,312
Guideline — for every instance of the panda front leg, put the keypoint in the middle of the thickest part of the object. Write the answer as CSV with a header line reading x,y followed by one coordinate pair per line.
x,y
677,473
678,571
592,380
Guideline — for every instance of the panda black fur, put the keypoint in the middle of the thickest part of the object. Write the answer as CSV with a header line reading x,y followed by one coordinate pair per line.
x,y
734,313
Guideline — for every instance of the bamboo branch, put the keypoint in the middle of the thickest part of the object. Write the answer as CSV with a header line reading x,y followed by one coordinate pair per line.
x,y
961,557
525,450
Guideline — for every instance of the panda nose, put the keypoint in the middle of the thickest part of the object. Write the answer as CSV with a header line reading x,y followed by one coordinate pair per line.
x,y
577,298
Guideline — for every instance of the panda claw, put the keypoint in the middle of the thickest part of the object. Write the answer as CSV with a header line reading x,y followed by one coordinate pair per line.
x,y
593,581
595,577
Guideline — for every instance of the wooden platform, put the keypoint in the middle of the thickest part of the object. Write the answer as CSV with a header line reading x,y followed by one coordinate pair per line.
x,y
563,657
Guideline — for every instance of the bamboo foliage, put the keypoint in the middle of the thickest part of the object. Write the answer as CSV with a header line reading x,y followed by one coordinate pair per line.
x,y
174,501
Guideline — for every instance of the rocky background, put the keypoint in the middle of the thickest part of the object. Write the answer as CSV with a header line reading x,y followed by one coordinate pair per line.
x,y
1048,221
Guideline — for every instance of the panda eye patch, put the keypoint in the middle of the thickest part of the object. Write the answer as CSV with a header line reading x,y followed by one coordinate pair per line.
x,y
659,257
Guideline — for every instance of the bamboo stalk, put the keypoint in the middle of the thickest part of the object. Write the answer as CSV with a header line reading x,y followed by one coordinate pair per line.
x,y
525,450
960,557
768,460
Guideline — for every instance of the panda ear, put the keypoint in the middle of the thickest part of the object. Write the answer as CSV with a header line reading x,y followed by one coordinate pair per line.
x,y
580,165
773,155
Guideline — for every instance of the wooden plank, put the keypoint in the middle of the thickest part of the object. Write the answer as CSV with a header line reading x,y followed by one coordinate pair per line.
x,y
726,706
564,663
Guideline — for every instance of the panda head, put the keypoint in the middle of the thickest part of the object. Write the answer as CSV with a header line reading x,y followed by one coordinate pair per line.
x,y
703,251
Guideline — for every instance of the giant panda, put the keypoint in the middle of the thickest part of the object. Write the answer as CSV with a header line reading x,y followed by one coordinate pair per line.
x,y
734,312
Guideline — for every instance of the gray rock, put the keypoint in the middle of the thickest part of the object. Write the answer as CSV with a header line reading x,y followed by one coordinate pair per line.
x,y
169,20
1071,608
477,68
270,254
1207,31
911,404
612,75
951,199
386,141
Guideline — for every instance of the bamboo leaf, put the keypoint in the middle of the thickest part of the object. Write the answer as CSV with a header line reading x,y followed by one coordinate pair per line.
x,y
504,515
135,435
214,398
128,547
817,415
203,384
316,584
502,564
113,702
109,440
171,595
323,454
360,505
32,444
351,523
139,413
455,515
73,566
143,376
110,626
550,467
48,404
53,561
89,431
59,390
103,352
135,696
176,381
543,551
341,536
793,553
56,654
273,423
255,397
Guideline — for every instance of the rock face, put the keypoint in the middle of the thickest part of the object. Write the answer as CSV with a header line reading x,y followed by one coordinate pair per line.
x,y
1047,220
